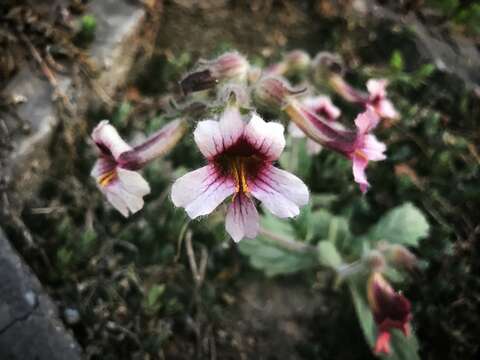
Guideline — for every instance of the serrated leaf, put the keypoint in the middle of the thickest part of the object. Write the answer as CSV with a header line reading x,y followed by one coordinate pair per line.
x,y
328,255
403,348
405,224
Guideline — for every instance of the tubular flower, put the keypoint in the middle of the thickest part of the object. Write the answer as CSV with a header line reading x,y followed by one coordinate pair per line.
x,y
360,146
376,97
321,106
240,164
115,170
230,66
391,310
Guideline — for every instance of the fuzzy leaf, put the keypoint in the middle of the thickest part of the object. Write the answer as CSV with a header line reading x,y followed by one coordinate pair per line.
x,y
403,225
328,255
273,257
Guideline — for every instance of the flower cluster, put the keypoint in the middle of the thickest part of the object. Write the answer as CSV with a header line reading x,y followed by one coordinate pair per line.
x,y
240,150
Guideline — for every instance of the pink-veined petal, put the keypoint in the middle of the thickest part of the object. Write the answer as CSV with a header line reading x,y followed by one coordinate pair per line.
x,y
201,191
386,109
367,120
359,164
102,166
267,138
107,138
208,138
231,126
242,218
373,149
280,192
133,182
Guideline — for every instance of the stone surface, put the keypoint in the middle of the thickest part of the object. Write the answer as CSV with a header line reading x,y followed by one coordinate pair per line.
x,y
32,123
29,324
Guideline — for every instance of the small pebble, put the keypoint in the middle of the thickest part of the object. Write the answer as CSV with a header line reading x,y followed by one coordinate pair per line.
x,y
72,316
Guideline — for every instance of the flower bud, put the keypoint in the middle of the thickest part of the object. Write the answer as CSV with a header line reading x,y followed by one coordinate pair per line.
x,y
401,257
273,93
326,64
391,310
227,67
297,61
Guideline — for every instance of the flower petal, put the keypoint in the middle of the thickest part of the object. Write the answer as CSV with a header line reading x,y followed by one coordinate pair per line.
x,y
267,138
323,106
102,166
208,138
231,126
122,199
281,192
377,87
108,140
201,191
133,182
367,121
386,109
359,164
242,218
373,149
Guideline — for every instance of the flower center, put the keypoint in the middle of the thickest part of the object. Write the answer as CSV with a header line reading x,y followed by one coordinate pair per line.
x,y
238,171
107,178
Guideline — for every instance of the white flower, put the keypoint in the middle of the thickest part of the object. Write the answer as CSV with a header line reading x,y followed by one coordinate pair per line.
x,y
240,164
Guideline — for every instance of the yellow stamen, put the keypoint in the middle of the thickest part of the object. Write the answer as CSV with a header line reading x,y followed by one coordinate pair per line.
x,y
240,176
106,178
361,154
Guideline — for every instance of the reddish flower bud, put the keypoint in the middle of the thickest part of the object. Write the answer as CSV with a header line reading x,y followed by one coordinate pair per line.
x,y
227,67
391,310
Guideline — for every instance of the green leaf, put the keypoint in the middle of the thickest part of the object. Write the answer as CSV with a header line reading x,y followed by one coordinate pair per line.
x,y
153,300
405,224
396,61
333,228
328,255
281,256
403,348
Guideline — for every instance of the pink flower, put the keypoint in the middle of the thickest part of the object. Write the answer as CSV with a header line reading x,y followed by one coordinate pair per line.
x,y
240,163
321,106
360,146
390,309
115,170
367,147
378,99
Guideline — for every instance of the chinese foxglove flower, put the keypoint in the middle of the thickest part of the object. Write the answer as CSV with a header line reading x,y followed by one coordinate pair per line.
x,y
391,310
240,164
376,97
230,66
115,171
322,106
360,146
367,147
